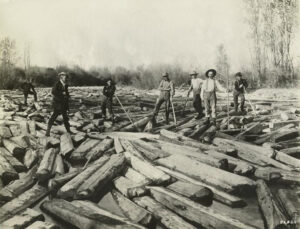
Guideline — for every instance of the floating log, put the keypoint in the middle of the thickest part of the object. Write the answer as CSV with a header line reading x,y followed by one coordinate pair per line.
x,y
5,132
30,158
101,177
147,169
129,188
42,225
16,164
291,204
69,189
208,174
166,217
219,195
23,201
23,219
45,168
197,193
7,172
99,149
79,153
118,146
137,177
205,216
13,148
272,214
66,144
148,149
131,210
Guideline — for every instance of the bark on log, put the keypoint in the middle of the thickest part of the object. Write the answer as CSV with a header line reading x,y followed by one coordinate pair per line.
x,y
79,153
24,128
286,135
118,146
99,149
255,128
131,210
42,225
209,134
32,127
197,193
205,216
79,138
136,125
15,130
13,148
5,132
128,146
101,177
293,151
219,195
284,176
45,168
135,176
208,174
21,140
123,135
291,204
273,216
58,166
276,125
7,172
16,164
166,217
147,169
66,144
199,131
287,159
129,188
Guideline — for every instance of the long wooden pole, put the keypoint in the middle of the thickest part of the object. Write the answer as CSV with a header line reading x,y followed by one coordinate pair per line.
x,y
227,101
173,111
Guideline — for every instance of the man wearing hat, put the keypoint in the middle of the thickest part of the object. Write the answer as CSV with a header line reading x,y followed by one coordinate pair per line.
x,y
196,84
28,88
108,92
60,102
208,94
167,92
240,85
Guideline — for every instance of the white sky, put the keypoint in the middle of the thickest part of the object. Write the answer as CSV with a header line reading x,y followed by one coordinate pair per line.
x,y
127,32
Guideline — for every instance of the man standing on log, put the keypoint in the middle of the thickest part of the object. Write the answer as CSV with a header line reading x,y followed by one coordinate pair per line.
x,y
108,92
240,85
208,95
28,88
167,91
60,102
196,84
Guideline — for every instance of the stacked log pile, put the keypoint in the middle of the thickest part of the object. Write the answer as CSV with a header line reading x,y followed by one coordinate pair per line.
x,y
241,173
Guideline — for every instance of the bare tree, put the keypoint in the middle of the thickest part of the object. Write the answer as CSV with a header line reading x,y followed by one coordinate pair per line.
x,y
27,56
222,62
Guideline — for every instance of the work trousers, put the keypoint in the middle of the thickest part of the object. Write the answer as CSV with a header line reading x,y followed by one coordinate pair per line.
x,y
54,116
31,93
197,103
164,97
107,103
236,95
210,103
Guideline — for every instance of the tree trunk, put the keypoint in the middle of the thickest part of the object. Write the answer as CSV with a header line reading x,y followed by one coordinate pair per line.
x,y
46,166
79,153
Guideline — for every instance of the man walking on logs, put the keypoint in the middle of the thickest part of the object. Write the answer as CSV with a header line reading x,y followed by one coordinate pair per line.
x,y
196,84
108,92
28,88
60,102
208,95
167,91
240,85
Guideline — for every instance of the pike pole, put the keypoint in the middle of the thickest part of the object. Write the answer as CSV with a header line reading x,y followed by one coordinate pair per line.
x,y
171,100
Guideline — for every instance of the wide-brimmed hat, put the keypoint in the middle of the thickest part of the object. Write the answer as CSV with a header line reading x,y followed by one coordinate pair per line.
x,y
239,74
194,73
62,74
165,75
211,70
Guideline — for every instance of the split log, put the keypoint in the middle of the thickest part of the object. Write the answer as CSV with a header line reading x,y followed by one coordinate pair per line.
x,y
273,216
118,146
23,201
131,210
205,216
147,169
58,166
166,217
79,153
197,193
86,215
16,164
219,195
21,140
13,148
45,168
291,204
42,225
137,177
99,149
30,158
101,177
32,127
69,189
66,144
7,172
23,219
148,149
5,132
136,125
208,174
129,188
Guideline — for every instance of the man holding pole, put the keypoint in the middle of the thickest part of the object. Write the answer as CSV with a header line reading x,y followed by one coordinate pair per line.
x,y
108,92
196,84
167,92
240,86
28,88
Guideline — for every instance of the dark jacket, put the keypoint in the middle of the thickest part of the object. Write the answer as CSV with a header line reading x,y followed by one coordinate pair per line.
x,y
109,91
60,97
237,84
27,88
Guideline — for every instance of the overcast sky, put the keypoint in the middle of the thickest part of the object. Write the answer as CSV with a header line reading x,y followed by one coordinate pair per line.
x,y
127,32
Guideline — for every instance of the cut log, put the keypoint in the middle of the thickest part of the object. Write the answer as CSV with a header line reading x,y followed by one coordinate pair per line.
x,y
46,166
23,219
66,144
16,164
32,127
21,140
219,195
285,116
197,193
166,217
123,135
128,146
140,124
118,146
30,158
86,215
291,204
148,149
273,216
79,153
224,180
23,201
286,135
15,130
13,148
293,151
287,159
7,172
129,188
131,210
137,177
58,166
69,189
79,138
255,128
101,177
5,132
209,134
199,131
276,125
42,225
206,217
147,169
99,149
281,175
24,128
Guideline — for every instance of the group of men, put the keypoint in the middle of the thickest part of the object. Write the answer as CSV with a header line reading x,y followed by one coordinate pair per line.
x,y
203,90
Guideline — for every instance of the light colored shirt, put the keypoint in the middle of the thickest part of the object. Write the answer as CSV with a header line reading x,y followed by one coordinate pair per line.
x,y
210,85
196,85
167,86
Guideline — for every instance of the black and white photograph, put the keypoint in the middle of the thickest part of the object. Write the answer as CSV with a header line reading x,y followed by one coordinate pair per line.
x,y
149,114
